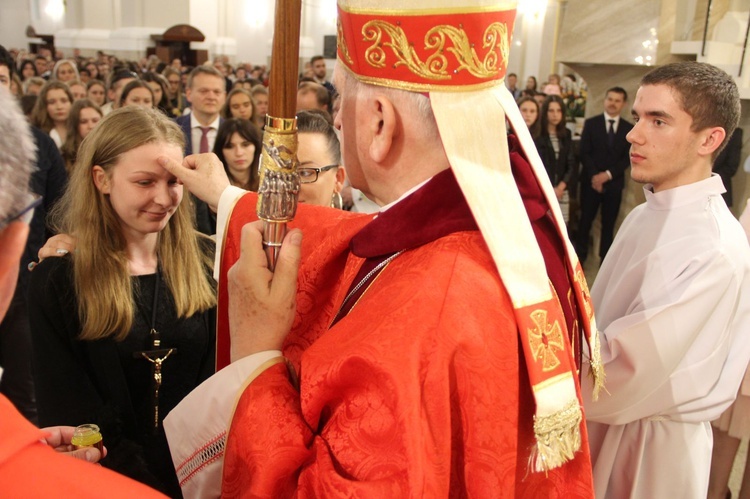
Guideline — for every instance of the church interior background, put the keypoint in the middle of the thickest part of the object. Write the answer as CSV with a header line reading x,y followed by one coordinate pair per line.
x,y
604,42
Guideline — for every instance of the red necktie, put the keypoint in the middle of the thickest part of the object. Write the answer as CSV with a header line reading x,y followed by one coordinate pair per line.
x,y
204,139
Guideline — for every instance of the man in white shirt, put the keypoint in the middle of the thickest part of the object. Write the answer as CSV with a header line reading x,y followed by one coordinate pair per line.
x,y
671,296
206,92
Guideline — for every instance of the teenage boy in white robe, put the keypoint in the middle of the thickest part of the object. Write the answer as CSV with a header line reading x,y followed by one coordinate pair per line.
x,y
672,298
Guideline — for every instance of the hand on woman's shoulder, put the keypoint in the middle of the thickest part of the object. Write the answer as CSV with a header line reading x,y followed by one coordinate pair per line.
x,y
53,269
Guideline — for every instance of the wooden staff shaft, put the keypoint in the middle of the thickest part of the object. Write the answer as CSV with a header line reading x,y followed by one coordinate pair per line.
x,y
280,190
282,93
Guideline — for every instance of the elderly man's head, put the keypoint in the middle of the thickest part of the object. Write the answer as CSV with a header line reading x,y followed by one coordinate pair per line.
x,y
17,152
389,137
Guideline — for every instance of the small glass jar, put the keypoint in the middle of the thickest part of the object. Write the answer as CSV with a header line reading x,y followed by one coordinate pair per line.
x,y
87,435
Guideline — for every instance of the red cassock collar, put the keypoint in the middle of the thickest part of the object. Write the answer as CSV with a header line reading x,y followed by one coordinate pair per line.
x,y
438,209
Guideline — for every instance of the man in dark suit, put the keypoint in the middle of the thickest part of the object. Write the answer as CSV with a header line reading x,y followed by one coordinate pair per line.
x,y
605,155
206,94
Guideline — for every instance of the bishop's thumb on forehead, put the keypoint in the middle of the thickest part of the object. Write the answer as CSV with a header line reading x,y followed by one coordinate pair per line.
x,y
168,164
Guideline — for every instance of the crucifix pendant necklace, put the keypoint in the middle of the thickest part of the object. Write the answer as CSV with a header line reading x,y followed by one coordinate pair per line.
x,y
156,355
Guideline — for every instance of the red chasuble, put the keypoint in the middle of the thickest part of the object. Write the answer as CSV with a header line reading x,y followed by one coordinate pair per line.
x,y
419,390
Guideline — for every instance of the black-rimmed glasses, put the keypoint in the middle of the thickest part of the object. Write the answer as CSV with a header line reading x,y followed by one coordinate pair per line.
x,y
25,214
309,175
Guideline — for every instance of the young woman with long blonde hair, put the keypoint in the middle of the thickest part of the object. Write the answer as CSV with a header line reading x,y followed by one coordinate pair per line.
x,y
124,327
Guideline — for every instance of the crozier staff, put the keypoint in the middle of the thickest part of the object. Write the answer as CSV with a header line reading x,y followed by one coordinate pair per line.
x,y
279,181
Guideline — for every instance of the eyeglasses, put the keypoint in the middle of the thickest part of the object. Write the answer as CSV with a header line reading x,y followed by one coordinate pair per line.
x,y
310,175
25,214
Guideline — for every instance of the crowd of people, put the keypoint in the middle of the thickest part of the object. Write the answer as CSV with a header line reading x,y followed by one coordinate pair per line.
x,y
127,238
601,150
431,349
66,97
547,115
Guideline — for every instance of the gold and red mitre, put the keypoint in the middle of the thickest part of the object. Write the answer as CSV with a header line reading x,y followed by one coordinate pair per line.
x,y
456,52
445,49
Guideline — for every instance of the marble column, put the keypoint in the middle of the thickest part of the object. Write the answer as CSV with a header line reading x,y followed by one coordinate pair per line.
x,y
605,32
612,44
13,24
532,47
254,31
204,15
166,13
318,20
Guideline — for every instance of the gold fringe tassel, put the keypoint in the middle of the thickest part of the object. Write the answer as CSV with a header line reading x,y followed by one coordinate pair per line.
x,y
558,437
597,369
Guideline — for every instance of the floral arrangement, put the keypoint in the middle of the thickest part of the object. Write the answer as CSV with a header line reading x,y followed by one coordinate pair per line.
x,y
574,93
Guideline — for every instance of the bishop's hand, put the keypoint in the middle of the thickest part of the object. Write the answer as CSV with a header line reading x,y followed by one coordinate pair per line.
x,y
202,174
262,303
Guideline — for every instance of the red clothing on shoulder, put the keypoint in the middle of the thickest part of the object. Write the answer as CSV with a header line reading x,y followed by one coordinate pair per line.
x,y
29,468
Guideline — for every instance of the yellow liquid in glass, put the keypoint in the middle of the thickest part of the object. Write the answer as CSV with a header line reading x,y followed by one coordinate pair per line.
x,y
87,436
86,440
